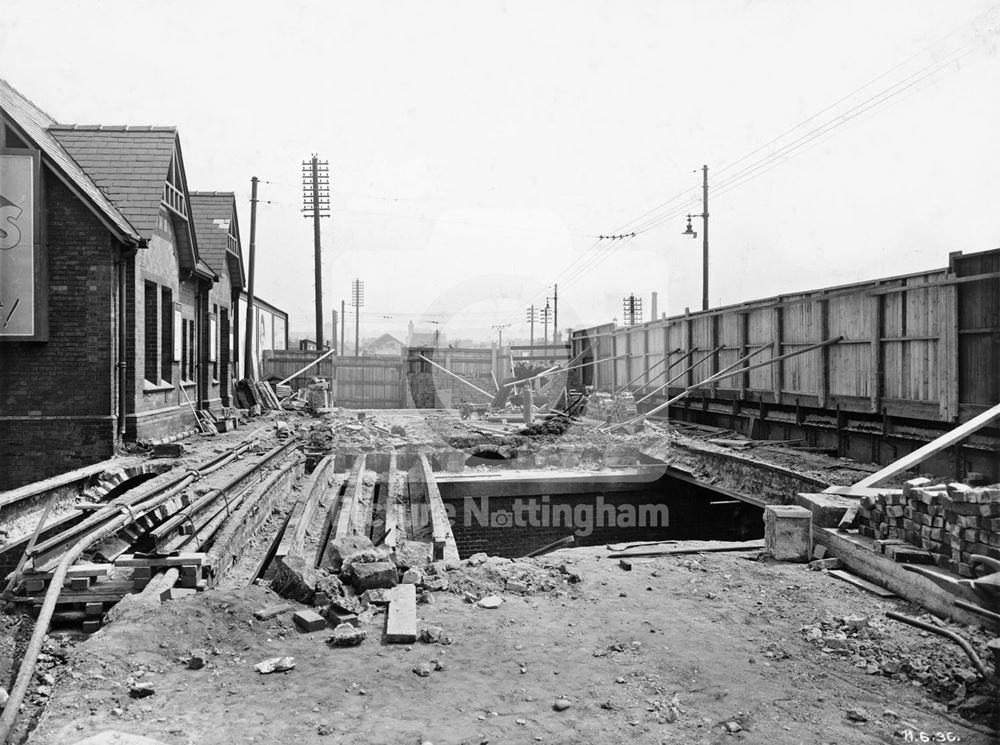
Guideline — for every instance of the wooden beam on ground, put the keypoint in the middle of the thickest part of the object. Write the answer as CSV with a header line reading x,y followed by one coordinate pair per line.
x,y
340,524
295,529
232,539
401,618
692,547
932,448
858,554
444,540
392,494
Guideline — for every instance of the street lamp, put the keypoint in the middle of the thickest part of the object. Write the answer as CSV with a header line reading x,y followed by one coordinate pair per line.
x,y
704,237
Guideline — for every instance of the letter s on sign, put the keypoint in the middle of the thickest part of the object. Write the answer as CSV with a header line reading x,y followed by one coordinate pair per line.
x,y
10,234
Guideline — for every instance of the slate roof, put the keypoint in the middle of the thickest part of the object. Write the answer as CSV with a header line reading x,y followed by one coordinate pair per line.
x,y
36,125
129,164
212,212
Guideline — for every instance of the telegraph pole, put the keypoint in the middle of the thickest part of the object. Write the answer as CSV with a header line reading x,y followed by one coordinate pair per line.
x,y
532,317
249,368
500,327
546,313
343,339
316,204
357,300
632,310
555,314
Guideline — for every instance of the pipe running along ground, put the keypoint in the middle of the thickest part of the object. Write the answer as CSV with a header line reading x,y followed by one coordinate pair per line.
x,y
161,494
947,634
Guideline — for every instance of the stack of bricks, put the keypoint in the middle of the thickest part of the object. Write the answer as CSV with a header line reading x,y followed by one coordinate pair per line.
x,y
950,521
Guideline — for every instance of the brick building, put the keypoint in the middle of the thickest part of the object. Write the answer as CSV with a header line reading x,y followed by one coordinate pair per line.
x,y
117,289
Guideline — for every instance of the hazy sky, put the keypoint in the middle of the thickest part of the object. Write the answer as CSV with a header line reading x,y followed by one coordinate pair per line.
x,y
476,147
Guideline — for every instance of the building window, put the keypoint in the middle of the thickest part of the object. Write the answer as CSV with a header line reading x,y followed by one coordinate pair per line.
x,y
187,350
166,334
213,342
226,354
151,336
192,354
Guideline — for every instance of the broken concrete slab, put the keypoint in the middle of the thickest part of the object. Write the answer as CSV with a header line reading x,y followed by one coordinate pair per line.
x,y
295,578
346,635
827,509
343,549
374,575
401,620
409,554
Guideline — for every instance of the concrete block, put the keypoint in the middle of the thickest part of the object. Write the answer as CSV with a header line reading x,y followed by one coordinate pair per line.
x,y
787,532
309,620
79,583
827,509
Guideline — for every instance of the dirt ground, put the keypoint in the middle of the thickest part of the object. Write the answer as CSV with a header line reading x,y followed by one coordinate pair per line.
x,y
704,648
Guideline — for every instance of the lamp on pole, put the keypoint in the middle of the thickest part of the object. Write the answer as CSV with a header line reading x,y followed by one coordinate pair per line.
x,y
704,236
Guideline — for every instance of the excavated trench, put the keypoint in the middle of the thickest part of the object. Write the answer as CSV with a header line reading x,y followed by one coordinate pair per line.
x,y
509,512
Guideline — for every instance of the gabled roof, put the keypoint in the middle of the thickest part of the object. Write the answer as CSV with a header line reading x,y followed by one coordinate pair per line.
x,y
386,339
34,124
130,165
214,215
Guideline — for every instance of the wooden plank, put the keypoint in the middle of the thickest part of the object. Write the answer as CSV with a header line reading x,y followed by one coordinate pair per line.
x,y
935,446
392,495
401,618
180,559
862,583
444,541
77,570
355,484
690,547
857,554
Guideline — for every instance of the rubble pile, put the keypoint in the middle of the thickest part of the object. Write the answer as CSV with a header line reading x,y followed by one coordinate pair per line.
x,y
610,407
482,576
877,647
356,580
349,430
948,522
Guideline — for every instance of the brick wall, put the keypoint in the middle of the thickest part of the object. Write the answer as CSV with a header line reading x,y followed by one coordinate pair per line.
x,y
57,400
157,410
490,525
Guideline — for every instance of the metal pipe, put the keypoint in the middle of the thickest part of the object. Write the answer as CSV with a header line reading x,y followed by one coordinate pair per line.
x,y
947,633
26,671
122,341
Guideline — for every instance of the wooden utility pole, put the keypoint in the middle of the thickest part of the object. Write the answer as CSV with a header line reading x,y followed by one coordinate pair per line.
x,y
343,339
532,317
357,300
250,329
333,332
555,314
316,204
